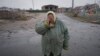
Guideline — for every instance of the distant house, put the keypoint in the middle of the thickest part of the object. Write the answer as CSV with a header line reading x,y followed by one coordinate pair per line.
x,y
91,8
88,9
50,7
78,9
62,10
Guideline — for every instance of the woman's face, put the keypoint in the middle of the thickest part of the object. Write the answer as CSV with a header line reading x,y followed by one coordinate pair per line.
x,y
51,17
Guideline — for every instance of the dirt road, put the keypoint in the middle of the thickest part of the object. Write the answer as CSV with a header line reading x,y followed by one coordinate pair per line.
x,y
20,39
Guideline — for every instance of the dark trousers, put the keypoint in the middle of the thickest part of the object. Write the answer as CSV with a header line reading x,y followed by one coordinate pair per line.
x,y
51,54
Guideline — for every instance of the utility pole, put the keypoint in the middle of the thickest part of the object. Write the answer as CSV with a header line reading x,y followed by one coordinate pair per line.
x,y
72,6
33,4
95,6
99,4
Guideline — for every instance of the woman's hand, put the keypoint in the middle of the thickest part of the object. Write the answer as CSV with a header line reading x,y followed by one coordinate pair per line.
x,y
47,24
65,48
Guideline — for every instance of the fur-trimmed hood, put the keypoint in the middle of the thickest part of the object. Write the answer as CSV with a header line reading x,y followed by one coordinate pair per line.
x,y
53,15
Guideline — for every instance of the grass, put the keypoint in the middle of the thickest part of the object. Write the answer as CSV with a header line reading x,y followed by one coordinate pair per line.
x,y
9,15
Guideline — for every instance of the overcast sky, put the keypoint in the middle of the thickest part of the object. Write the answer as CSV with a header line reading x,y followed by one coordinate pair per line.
x,y
26,4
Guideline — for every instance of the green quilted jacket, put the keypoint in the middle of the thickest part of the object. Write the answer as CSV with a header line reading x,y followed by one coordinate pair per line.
x,y
53,39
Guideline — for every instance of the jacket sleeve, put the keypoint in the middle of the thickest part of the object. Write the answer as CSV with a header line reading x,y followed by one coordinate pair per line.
x,y
66,38
40,28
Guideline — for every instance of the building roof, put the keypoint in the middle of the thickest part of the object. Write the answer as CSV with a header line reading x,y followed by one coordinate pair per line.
x,y
49,5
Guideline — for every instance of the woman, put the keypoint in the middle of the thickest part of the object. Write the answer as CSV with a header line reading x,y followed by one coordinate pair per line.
x,y
54,35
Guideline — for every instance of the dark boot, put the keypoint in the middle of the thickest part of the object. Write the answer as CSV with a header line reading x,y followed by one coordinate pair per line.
x,y
51,54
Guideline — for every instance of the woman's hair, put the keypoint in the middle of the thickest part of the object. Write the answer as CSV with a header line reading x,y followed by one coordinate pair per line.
x,y
50,14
